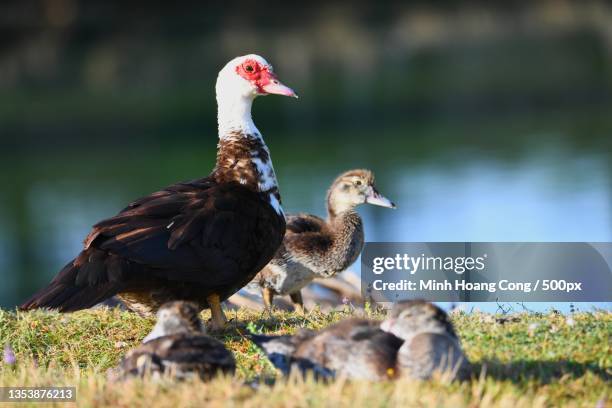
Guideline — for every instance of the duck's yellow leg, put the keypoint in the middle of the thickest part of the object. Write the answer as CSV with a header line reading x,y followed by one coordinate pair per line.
x,y
218,317
268,298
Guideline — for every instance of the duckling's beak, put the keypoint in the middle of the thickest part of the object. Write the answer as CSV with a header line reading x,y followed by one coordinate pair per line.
x,y
157,331
375,198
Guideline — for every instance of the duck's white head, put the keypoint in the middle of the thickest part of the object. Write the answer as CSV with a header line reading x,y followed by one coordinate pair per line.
x,y
238,84
248,77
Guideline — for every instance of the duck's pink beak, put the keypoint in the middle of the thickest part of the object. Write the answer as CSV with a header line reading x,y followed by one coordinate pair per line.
x,y
375,198
269,84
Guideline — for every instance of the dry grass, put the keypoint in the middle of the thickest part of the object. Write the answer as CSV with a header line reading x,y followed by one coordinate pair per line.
x,y
525,361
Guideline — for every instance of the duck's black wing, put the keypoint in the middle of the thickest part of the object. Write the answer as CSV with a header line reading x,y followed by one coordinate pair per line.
x,y
201,232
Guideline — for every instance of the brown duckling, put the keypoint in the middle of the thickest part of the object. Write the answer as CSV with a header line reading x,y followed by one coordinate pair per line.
x,y
353,348
415,341
430,343
314,247
177,347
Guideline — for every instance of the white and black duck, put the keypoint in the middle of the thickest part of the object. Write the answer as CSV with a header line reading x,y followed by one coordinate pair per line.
x,y
199,241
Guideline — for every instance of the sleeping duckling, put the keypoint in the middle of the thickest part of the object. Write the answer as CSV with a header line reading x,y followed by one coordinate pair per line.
x,y
178,347
353,348
431,346
416,341
314,247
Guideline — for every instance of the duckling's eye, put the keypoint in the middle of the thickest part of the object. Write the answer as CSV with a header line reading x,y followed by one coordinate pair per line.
x,y
405,314
358,182
249,68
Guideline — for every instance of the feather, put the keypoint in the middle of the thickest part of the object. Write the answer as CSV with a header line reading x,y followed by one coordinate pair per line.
x,y
189,240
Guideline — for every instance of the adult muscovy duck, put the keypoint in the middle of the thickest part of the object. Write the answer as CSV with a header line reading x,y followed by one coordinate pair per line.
x,y
199,241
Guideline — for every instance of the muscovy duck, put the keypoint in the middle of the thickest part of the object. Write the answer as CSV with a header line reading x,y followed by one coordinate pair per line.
x,y
199,241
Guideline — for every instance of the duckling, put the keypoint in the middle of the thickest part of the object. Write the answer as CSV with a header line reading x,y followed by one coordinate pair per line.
x,y
430,344
353,348
177,347
314,247
415,341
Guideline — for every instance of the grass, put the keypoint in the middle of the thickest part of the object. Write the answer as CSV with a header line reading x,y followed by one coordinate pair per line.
x,y
521,360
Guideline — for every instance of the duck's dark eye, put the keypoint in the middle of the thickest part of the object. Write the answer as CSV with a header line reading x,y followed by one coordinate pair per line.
x,y
358,182
249,68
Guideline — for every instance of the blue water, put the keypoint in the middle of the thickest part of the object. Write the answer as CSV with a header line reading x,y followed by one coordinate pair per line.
x,y
553,199
550,194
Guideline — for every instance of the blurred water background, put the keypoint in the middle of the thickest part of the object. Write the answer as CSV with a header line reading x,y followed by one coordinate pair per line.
x,y
482,122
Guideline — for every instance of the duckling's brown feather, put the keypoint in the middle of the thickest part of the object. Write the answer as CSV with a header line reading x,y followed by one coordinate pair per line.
x,y
180,356
328,250
430,342
302,223
430,353
306,234
315,247
352,348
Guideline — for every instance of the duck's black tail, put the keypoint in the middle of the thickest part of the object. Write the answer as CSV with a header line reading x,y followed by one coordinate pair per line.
x,y
82,283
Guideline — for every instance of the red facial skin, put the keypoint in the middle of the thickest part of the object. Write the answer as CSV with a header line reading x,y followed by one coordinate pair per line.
x,y
256,73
